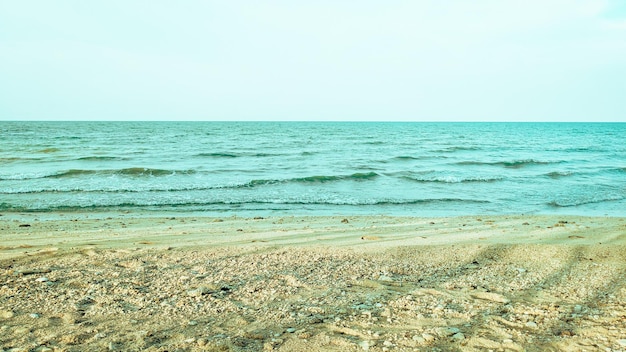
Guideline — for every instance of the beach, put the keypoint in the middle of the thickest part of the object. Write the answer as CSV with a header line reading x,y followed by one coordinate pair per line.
x,y
135,282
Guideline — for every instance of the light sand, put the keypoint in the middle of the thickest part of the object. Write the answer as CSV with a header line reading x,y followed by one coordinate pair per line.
x,y
501,283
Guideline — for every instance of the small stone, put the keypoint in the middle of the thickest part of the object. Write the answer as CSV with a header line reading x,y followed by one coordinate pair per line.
x,y
385,278
622,342
42,279
531,324
419,339
21,331
449,331
291,330
192,323
428,337
6,314
490,296
521,270
458,336
365,345
34,315
46,349
578,308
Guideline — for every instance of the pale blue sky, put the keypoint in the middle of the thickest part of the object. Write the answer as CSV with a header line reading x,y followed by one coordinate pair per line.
x,y
420,60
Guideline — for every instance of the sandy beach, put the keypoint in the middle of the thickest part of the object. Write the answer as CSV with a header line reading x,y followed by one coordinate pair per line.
x,y
371,283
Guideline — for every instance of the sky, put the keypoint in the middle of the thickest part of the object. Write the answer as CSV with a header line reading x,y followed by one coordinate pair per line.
x,y
392,60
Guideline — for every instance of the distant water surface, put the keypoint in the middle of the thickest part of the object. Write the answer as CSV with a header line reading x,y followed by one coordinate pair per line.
x,y
321,168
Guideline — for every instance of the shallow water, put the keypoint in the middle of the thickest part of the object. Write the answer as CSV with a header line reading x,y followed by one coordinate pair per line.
x,y
421,169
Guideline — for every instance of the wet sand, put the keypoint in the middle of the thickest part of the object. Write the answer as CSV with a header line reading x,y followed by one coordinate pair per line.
x,y
373,283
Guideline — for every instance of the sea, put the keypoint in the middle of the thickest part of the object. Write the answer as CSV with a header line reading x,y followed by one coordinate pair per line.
x,y
313,168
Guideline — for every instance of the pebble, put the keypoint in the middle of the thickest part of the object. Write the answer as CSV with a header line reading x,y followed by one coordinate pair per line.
x,y
365,345
419,339
6,314
458,336
35,315
531,324
449,331
490,296
428,337
622,342
42,279
291,330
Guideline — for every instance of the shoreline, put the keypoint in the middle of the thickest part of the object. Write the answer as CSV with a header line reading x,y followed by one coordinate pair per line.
x,y
312,283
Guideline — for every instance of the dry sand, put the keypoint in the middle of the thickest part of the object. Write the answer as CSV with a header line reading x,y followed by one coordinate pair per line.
x,y
129,283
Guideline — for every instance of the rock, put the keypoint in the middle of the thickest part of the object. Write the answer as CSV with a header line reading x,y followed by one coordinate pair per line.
x,y
42,279
365,345
21,331
385,278
458,336
622,342
34,315
531,324
370,238
428,337
490,296
448,331
419,339
291,330
6,314
203,290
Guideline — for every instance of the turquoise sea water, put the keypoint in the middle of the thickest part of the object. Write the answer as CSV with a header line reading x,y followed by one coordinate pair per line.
x,y
321,168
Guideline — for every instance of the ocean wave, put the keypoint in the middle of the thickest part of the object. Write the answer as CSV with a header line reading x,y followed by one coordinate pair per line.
x,y
559,174
16,159
100,158
233,204
314,179
452,179
453,149
132,172
514,164
406,158
569,203
49,150
236,155
153,172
